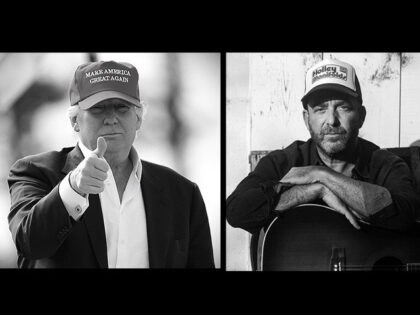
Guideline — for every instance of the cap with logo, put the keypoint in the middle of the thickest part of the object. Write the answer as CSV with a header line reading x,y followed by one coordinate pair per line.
x,y
333,75
97,81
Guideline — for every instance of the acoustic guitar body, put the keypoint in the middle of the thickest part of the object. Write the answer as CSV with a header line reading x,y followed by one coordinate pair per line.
x,y
315,238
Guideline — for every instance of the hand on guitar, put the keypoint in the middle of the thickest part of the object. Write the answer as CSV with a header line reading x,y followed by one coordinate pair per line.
x,y
335,203
301,194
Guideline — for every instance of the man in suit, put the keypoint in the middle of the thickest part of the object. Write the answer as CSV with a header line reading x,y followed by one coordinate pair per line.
x,y
98,205
336,167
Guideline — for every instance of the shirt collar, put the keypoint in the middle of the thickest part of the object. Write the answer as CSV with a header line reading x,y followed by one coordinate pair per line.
x,y
313,154
360,169
134,157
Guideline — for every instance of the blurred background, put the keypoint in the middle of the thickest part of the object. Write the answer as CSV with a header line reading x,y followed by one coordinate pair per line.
x,y
181,129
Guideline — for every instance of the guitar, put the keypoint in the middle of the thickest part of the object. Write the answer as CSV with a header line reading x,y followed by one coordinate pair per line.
x,y
313,237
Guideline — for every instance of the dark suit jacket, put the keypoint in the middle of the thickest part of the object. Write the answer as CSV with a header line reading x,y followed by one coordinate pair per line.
x,y
46,236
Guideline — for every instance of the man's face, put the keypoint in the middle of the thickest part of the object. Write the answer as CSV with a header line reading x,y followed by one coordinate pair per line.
x,y
114,119
334,121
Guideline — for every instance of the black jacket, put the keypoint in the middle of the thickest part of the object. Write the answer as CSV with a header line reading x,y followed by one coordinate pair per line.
x,y
46,236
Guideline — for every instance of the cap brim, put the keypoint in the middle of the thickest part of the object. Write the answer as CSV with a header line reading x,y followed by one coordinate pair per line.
x,y
104,95
329,87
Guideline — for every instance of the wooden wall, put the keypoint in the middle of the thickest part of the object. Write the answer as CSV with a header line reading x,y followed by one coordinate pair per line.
x,y
264,112
237,150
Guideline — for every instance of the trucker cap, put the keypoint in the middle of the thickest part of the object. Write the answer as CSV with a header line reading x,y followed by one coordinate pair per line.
x,y
332,74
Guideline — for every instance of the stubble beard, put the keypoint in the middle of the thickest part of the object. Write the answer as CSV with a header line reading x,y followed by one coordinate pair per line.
x,y
336,146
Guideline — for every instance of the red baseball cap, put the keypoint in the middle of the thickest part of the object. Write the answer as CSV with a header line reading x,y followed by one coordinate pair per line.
x,y
94,82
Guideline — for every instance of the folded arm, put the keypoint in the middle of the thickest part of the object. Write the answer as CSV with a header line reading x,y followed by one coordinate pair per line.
x,y
363,198
306,193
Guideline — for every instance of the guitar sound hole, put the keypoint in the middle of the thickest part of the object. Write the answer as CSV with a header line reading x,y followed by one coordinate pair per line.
x,y
388,263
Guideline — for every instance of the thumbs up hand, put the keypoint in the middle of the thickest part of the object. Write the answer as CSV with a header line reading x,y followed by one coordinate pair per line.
x,y
89,176
100,147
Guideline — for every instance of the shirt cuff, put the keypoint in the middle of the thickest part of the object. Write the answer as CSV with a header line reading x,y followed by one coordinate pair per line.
x,y
75,204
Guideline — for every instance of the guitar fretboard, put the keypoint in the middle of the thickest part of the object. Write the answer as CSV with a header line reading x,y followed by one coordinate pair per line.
x,y
413,267
404,267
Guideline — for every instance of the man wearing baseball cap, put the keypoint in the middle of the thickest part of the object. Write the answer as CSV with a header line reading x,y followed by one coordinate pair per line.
x,y
98,205
350,174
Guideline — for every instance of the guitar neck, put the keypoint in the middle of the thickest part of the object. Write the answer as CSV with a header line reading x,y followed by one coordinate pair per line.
x,y
413,267
407,267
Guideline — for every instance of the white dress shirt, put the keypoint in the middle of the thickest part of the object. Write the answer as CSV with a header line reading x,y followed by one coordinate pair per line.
x,y
125,221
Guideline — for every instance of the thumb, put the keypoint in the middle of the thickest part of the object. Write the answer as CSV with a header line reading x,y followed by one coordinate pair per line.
x,y
100,147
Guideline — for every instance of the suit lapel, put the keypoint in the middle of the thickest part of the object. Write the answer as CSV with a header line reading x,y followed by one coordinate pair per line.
x,y
92,218
74,157
158,218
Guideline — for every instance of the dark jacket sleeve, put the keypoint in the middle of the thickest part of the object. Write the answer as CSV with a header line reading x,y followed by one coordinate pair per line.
x,y
401,214
38,219
200,253
251,205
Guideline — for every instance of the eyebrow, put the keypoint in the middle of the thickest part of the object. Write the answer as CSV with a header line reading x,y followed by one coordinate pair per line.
x,y
319,105
324,104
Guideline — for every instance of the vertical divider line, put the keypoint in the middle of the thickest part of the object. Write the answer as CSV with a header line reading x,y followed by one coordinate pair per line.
x,y
249,101
399,111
